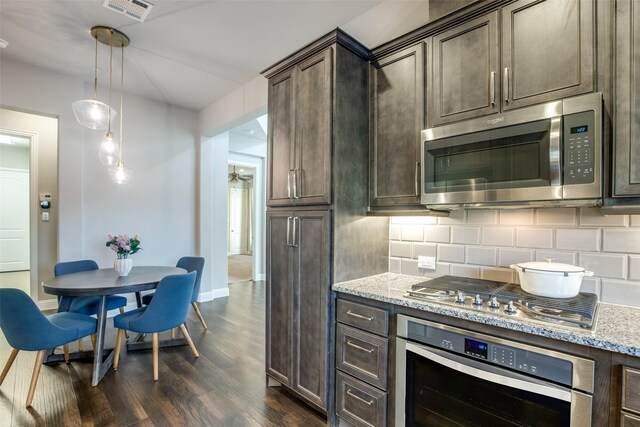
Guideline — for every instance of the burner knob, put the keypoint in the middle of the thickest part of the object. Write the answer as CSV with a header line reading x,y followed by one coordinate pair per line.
x,y
511,308
460,298
477,301
494,303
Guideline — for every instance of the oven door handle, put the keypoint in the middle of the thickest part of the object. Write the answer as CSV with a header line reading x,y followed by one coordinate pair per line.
x,y
505,377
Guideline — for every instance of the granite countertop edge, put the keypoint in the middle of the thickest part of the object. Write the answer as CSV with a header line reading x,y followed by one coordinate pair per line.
x,y
612,332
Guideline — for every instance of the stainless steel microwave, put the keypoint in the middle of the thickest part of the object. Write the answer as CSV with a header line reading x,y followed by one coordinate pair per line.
x,y
544,155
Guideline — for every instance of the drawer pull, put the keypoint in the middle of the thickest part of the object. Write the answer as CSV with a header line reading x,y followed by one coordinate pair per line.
x,y
358,347
359,316
368,402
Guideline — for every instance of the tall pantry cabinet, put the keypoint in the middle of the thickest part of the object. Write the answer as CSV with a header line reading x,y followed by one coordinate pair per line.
x,y
317,230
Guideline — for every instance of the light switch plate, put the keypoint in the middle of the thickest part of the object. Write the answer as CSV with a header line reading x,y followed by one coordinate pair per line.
x,y
427,262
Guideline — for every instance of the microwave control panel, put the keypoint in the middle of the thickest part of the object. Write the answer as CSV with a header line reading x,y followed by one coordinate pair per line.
x,y
579,151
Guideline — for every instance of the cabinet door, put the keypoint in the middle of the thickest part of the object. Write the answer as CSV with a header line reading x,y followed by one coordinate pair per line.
x,y
313,130
281,139
548,50
627,101
311,305
397,117
279,297
464,68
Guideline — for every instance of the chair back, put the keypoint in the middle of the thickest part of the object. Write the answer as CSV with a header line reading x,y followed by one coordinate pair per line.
x,y
24,326
63,268
192,263
168,308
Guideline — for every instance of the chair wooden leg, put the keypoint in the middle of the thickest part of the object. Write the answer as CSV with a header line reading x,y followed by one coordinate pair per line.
x,y
65,348
197,310
34,377
187,337
116,355
93,342
126,333
80,344
7,366
173,333
155,345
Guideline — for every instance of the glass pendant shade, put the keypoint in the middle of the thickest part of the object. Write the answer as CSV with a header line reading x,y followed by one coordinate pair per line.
x,y
93,113
119,173
109,152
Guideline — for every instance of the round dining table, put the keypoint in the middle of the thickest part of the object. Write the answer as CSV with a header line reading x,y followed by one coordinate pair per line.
x,y
102,283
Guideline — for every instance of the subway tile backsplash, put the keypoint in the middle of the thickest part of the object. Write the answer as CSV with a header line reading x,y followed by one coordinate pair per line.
x,y
483,243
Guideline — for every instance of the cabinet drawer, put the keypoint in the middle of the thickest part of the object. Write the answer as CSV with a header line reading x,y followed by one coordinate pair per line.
x,y
362,355
631,390
359,403
628,420
364,317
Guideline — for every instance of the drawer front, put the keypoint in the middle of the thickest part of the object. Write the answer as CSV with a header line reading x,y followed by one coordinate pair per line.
x,y
363,317
631,390
362,355
628,420
359,403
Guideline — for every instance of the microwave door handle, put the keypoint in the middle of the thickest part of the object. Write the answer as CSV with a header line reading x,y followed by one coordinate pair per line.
x,y
462,365
555,131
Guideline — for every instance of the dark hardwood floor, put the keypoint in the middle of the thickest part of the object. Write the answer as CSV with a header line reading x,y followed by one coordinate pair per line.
x,y
224,387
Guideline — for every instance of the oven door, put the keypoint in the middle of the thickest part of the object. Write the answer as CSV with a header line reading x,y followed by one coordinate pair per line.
x,y
438,388
520,162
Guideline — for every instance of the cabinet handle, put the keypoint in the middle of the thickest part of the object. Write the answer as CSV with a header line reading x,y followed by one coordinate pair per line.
x,y
492,88
295,183
359,347
294,240
368,402
289,183
505,84
289,231
359,316
416,177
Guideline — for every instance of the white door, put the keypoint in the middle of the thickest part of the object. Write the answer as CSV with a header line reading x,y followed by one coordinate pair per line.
x,y
14,220
238,221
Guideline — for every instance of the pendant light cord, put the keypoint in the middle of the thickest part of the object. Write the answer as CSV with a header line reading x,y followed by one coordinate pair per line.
x,y
95,72
121,102
110,74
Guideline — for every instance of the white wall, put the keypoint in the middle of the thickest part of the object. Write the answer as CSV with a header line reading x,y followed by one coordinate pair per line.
x,y
160,148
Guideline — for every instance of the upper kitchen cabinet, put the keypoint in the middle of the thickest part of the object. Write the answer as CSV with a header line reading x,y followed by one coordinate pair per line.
x,y
547,54
463,65
396,87
299,142
547,51
626,180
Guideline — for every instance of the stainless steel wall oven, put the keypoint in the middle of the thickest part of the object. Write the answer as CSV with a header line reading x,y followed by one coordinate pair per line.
x,y
545,155
446,376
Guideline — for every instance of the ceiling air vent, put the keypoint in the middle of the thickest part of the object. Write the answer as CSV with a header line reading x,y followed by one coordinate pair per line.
x,y
136,9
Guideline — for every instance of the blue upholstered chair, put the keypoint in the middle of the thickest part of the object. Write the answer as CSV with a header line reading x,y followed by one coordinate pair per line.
x,y
190,264
88,305
26,328
167,310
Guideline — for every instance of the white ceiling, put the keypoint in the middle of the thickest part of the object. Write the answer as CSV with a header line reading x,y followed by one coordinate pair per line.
x,y
191,53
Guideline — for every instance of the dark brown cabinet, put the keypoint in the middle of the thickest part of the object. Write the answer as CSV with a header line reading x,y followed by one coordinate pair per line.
x,y
626,128
297,301
300,143
547,51
543,51
463,71
396,118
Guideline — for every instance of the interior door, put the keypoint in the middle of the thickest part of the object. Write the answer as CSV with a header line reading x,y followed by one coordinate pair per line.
x,y
238,221
14,220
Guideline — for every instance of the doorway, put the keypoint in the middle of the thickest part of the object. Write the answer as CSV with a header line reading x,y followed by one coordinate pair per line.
x,y
241,223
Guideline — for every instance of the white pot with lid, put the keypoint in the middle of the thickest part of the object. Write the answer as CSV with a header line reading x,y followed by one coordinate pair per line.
x,y
550,279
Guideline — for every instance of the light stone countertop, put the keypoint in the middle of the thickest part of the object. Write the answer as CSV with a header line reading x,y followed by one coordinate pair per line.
x,y
617,326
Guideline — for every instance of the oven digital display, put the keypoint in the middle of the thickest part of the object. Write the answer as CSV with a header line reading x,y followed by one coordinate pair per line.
x,y
580,129
475,348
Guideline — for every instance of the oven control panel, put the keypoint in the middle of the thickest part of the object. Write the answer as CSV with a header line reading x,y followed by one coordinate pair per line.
x,y
495,352
579,151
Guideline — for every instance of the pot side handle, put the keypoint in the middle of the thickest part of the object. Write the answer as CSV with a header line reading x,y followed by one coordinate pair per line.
x,y
518,268
588,273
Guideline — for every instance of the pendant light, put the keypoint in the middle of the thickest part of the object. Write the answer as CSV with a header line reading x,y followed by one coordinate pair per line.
x,y
91,112
109,152
119,173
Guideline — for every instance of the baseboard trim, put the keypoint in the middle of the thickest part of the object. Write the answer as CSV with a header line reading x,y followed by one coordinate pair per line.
x,y
216,293
48,304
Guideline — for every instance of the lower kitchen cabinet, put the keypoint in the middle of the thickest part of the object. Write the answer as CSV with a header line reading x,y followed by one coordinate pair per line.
x,y
298,302
630,413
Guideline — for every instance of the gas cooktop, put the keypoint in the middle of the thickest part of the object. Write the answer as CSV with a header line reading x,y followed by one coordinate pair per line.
x,y
508,299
